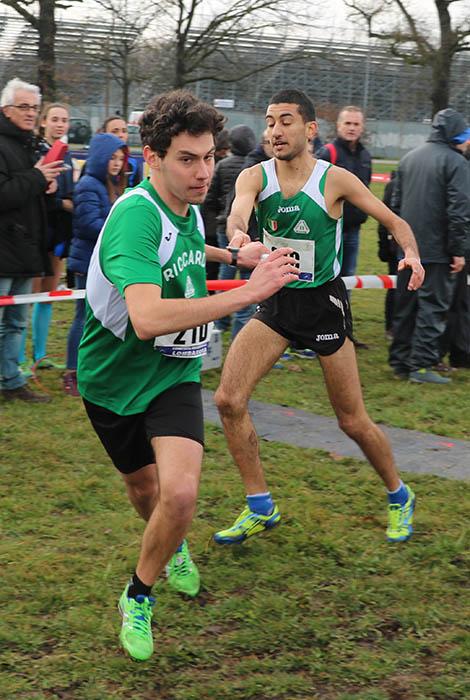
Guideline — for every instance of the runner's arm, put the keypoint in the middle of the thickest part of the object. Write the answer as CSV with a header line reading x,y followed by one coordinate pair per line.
x,y
151,315
353,190
247,187
248,256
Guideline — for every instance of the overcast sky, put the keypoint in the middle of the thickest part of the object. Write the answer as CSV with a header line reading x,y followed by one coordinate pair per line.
x,y
327,19
329,14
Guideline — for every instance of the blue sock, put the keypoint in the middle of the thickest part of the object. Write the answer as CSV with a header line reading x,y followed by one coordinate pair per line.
x,y
41,320
399,496
261,503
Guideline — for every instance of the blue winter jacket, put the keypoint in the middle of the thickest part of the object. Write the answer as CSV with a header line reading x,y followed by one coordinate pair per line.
x,y
91,201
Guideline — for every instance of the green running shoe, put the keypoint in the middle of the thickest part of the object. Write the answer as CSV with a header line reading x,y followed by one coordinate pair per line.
x,y
182,572
400,519
46,363
136,630
26,370
246,525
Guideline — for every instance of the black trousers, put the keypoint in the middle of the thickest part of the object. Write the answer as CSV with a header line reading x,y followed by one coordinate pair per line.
x,y
456,339
420,318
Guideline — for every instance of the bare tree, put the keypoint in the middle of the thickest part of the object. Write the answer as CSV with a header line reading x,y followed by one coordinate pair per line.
x,y
126,44
412,39
210,49
44,22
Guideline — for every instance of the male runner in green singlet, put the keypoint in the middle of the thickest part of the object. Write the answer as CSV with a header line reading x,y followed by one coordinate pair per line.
x,y
147,327
299,201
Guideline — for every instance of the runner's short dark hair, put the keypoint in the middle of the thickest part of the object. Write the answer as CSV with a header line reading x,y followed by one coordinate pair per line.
x,y
174,112
296,97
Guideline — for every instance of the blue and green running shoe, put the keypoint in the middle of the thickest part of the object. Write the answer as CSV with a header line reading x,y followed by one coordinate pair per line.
x,y
182,572
400,519
136,630
246,525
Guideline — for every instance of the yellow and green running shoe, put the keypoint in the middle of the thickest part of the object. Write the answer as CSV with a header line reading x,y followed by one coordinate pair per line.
x,y
182,572
400,519
246,525
136,630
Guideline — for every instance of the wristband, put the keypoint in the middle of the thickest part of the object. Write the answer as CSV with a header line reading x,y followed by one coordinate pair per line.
x,y
234,252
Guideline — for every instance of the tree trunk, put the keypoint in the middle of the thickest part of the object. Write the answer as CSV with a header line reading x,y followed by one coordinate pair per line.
x,y
180,59
125,81
126,86
47,30
442,62
180,71
441,68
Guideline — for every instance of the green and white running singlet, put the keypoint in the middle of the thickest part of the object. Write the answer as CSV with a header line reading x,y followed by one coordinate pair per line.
x,y
142,242
316,237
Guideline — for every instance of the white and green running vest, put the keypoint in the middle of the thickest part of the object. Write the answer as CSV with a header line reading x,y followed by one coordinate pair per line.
x,y
302,223
142,242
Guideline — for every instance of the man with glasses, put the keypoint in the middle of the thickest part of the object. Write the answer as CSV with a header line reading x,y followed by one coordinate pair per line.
x,y
24,183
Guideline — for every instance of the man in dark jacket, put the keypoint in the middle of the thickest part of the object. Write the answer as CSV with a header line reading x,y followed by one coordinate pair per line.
x,y
388,253
222,149
347,151
24,182
242,140
432,193
263,151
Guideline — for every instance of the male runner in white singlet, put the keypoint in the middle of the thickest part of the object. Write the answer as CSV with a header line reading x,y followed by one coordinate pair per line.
x,y
147,327
299,202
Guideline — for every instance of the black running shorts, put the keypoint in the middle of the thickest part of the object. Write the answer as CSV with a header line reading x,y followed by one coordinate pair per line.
x,y
176,412
318,318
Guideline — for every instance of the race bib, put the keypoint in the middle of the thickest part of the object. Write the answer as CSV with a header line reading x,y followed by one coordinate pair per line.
x,y
190,343
304,252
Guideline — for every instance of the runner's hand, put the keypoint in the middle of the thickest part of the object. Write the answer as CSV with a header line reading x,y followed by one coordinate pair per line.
x,y
417,274
250,255
277,270
457,264
239,239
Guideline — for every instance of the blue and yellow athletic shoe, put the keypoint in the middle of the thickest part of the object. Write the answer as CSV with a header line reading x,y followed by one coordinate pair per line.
x,y
246,525
182,572
136,630
400,519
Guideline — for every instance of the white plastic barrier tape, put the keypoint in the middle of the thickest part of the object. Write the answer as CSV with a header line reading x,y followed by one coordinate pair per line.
x,y
355,282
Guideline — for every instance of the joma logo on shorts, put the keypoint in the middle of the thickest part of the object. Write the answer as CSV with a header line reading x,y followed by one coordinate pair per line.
x,y
327,336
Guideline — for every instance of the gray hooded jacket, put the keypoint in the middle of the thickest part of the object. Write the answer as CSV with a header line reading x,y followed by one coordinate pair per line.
x,y
432,192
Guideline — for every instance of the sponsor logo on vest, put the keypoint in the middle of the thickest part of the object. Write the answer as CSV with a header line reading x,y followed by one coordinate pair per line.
x,y
301,227
327,336
189,291
193,257
288,210
272,223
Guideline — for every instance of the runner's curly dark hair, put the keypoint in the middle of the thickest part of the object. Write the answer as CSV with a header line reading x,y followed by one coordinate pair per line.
x,y
173,112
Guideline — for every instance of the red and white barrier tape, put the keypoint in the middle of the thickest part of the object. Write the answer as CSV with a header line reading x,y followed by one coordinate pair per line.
x,y
381,177
356,282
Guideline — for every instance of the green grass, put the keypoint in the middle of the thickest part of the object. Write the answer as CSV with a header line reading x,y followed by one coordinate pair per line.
x,y
319,608
428,408
384,166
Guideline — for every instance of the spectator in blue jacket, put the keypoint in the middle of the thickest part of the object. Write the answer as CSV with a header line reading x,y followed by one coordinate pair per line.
x,y
118,126
94,195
